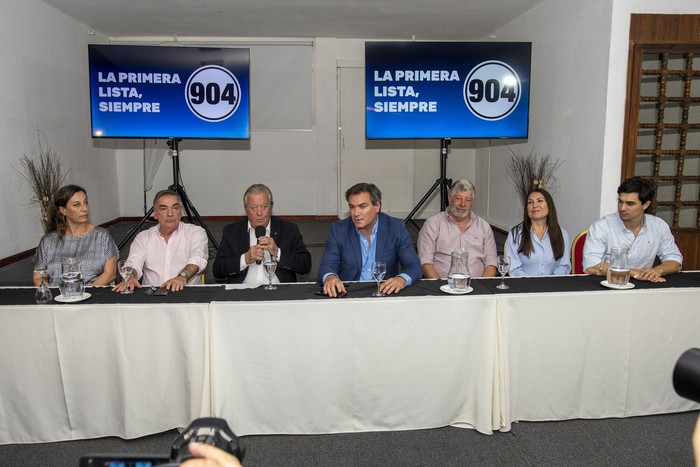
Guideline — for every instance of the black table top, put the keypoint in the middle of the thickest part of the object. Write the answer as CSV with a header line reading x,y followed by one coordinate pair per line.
x,y
104,295
310,291
482,286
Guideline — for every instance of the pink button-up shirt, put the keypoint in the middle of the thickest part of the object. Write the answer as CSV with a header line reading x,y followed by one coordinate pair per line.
x,y
158,261
440,236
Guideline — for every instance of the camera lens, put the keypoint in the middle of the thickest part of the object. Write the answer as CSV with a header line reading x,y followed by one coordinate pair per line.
x,y
686,375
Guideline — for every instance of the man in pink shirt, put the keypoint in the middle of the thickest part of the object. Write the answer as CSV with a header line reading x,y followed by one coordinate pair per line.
x,y
457,228
172,254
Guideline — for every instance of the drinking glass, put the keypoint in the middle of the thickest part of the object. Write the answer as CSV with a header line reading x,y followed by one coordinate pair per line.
x,y
378,271
270,265
503,267
126,272
70,268
43,293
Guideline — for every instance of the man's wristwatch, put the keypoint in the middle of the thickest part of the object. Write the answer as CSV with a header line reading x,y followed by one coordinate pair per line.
x,y
185,275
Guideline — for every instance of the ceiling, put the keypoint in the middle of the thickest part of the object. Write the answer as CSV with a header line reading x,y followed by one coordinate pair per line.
x,y
360,19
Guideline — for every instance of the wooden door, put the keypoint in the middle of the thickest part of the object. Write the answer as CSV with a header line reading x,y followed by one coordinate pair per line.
x,y
662,137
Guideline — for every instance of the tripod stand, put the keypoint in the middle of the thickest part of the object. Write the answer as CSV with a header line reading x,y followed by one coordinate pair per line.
x,y
443,182
180,190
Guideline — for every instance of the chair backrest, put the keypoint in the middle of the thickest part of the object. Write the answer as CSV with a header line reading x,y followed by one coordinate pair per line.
x,y
577,253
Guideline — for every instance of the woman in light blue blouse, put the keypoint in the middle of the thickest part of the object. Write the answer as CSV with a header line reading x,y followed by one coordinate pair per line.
x,y
545,250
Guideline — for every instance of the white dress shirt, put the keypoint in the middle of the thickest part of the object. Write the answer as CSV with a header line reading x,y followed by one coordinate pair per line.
x,y
256,272
654,239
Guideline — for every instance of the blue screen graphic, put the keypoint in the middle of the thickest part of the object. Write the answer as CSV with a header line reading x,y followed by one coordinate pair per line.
x,y
169,92
417,90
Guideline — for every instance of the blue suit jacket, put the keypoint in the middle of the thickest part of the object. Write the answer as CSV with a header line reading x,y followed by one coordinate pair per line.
x,y
343,253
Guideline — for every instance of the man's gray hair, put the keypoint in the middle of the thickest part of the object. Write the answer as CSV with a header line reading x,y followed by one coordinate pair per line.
x,y
255,189
162,193
462,185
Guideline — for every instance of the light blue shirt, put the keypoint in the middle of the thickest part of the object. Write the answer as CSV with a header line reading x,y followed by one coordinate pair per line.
x,y
369,253
541,261
654,239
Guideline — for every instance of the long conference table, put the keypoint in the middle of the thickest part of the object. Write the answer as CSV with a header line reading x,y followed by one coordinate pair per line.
x,y
289,361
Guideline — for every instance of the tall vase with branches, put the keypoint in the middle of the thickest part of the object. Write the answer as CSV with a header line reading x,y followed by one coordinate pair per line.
x,y
44,174
530,171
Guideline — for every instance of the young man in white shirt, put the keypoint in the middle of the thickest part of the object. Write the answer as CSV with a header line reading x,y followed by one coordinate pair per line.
x,y
645,236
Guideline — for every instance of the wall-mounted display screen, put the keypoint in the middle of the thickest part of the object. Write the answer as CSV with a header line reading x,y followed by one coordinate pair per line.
x,y
417,90
169,92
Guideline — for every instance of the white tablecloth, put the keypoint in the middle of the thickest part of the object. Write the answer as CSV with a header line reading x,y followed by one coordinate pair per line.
x,y
72,371
363,364
595,354
355,364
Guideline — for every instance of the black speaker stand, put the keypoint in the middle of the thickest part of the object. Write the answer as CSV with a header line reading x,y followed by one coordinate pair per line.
x,y
192,214
443,183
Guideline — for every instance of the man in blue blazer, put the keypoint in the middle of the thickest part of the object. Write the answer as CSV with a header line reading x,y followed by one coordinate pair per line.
x,y
244,244
366,236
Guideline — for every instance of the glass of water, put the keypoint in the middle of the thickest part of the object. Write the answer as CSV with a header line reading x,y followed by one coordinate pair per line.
x,y
378,272
43,293
126,272
270,265
503,268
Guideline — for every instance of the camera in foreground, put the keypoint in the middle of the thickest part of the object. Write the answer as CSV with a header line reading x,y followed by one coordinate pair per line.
x,y
211,431
686,375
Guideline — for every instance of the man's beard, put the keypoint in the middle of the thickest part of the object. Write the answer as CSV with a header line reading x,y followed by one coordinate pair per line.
x,y
459,215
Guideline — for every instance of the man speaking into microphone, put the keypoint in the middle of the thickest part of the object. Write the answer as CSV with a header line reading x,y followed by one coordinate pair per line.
x,y
247,243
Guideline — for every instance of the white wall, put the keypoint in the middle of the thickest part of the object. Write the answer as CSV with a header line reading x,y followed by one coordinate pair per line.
x,y
579,85
570,42
299,166
617,85
45,84
405,170
576,115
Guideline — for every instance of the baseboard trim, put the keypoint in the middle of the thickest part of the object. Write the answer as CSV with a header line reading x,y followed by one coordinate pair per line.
x,y
18,257
27,253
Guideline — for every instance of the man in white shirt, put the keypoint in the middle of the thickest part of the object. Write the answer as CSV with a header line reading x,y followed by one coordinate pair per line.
x,y
645,236
172,254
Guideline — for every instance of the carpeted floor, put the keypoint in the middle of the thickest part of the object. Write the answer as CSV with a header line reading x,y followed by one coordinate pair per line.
x,y
661,440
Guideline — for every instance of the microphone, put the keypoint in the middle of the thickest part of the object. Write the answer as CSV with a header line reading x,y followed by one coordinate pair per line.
x,y
259,232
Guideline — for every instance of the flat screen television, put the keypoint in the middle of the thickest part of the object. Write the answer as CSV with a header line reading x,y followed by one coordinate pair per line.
x,y
169,92
420,90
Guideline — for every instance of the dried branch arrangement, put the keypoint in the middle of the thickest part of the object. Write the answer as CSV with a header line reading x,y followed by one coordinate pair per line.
x,y
529,171
44,174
